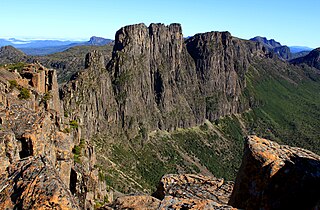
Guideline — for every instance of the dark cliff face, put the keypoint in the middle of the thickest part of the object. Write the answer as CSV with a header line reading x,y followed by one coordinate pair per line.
x,y
221,62
180,84
312,59
157,80
89,97
149,70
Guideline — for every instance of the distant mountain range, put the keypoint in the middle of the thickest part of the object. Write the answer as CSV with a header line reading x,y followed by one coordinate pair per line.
x,y
297,49
45,47
283,51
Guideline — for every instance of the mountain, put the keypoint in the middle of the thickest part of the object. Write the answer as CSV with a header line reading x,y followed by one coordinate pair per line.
x,y
45,47
155,105
297,49
284,52
98,41
183,106
312,59
268,43
9,54
67,63
274,47
5,42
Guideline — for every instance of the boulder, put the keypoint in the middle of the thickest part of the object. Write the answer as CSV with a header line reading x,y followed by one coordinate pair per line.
x,y
274,176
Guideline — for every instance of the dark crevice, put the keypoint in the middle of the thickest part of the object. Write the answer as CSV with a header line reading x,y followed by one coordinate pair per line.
x,y
158,87
73,181
26,148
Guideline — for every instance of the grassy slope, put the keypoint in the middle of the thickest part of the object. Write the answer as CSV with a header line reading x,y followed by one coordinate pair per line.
x,y
286,109
198,149
289,110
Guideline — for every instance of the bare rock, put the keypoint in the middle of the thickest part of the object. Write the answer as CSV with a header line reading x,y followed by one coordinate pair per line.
x,y
191,186
32,183
136,202
170,202
274,176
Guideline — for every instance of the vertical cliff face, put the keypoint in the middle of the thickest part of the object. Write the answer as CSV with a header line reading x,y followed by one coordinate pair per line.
x,y
89,98
157,80
165,82
221,63
151,73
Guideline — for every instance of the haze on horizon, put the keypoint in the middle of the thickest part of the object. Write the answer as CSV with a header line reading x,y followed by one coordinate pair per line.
x,y
293,23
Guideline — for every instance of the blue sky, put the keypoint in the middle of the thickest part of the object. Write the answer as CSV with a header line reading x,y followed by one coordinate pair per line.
x,y
289,22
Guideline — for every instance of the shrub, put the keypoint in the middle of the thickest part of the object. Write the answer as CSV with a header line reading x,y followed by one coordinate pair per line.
x,y
16,66
66,130
66,114
13,84
77,149
24,93
73,124
46,97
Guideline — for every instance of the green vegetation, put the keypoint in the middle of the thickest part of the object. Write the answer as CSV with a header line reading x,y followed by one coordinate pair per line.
x,y
288,110
24,93
47,96
190,150
73,124
13,84
16,66
66,130
77,149
66,114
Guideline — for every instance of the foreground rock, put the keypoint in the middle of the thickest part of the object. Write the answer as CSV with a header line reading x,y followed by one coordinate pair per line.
x,y
32,127
274,176
32,183
191,186
185,191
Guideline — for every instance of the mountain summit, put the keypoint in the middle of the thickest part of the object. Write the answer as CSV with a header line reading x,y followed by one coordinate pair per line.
x,y
98,41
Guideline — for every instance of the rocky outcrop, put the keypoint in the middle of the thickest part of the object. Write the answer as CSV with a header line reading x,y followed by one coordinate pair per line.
x,y
185,191
191,186
32,183
36,143
135,202
283,52
312,59
274,176
221,63
169,202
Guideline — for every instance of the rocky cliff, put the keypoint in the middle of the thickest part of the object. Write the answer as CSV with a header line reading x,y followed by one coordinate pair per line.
x,y
37,161
161,92
157,80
